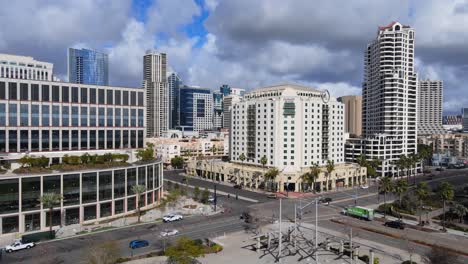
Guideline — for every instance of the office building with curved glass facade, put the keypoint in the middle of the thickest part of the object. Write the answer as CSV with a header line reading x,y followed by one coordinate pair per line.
x,y
55,117
88,196
88,67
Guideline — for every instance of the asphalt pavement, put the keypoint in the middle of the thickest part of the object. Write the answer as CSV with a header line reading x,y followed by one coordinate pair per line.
x,y
77,249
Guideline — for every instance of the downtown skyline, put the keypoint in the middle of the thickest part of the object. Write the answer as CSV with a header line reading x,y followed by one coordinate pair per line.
x,y
214,42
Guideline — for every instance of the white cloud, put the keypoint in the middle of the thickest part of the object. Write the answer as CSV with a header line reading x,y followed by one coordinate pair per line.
x,y
168,15
126,57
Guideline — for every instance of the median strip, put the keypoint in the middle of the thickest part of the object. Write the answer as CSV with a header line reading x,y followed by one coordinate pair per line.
x,y
217,191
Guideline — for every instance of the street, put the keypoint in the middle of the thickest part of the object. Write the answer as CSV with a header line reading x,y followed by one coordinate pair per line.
x,y
76,250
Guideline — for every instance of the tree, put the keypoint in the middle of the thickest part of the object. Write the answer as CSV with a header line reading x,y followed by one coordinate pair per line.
x,y
49,200
205,196
105,253
311,176
445,193
242,159
413,161
330,169
177,162
196,193
264,161
146,154
460,210
138,190
184,251
421,192
400,188
385,186
271,175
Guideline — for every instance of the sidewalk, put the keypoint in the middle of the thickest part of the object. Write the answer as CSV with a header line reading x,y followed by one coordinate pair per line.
x,y
432,226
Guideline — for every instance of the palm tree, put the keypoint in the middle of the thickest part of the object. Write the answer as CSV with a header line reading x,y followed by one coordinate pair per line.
x,y
445,193
330,169
421,192
138,190
400,188
271,175
361,160
242,159
49,200
385,186
460,211
264,161
413,160
311,176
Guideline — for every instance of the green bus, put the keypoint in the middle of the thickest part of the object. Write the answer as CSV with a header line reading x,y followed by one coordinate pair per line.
x,y
359,212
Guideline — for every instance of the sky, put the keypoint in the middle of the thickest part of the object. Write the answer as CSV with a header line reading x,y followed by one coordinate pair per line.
x,y
243,43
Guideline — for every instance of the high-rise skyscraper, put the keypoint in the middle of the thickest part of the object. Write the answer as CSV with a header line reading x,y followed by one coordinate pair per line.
x,y
389,106
218,110
430,107
157,93
465,119
174,83
88,67
353,114
196,113
225,89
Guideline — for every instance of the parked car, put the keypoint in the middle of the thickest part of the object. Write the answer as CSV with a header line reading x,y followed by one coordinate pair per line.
x,y
167,233
172,218
138,243
272,196
18,245
237,186
364,186
395,224
440,169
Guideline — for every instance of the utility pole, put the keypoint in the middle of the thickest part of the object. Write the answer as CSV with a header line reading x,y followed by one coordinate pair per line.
x,y
295,228
280,234
351,251
215,197
316,233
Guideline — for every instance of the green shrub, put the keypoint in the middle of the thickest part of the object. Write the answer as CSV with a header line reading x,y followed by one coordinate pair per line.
x,y
217,248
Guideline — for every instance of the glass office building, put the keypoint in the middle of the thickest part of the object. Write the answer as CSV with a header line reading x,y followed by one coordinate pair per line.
x,y
43,116
88,196
88,67
196,112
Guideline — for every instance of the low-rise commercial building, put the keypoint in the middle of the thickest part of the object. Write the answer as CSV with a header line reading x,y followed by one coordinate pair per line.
x,y
344,175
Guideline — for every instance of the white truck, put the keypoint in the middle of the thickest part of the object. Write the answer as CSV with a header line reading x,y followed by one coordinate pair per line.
x,y
18,245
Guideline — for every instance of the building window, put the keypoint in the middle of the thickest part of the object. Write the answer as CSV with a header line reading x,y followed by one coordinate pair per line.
x,y
55,93
24,91
110,97
71,189
92,96
9,197
55,115
101,97
84,95
12,91
65,116
75,95
118,100
45,140
65,94
84,116
75,116
89,181
24,115
84,139
45,115
45,93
